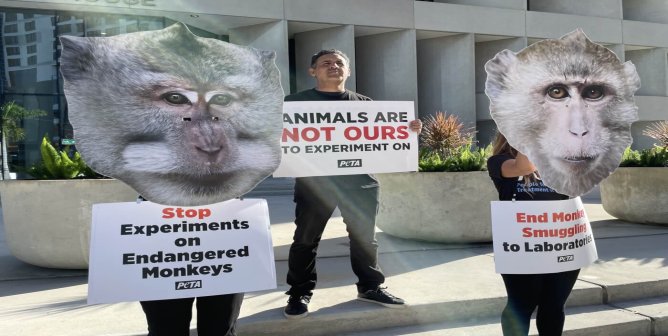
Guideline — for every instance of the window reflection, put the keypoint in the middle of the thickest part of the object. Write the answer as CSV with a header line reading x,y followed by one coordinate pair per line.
x,y
29,72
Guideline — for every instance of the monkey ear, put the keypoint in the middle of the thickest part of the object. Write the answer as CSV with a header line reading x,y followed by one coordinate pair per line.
x,y
497,69
632,78
77,57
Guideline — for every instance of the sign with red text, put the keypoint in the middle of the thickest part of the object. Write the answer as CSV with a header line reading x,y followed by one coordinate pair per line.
x,y
532,237
146,251
322,138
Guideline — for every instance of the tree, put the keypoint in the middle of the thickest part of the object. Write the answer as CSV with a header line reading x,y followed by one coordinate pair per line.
x,y
12,115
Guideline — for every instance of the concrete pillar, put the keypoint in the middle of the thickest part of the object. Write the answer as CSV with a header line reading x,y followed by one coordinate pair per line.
x,y
387,66
651,67
600,8
646,10
309,43
446,76
618,49
485,51
267,36
508,4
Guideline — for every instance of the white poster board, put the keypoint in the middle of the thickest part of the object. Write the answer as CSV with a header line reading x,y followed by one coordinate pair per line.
x,y
146,251
532,237
322,138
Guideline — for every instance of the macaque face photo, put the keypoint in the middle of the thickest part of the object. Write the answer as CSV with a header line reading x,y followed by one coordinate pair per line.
x,y
567,104
183,120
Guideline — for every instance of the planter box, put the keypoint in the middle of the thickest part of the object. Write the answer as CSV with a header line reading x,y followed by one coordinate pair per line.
x,y
637,194
449,207
47,222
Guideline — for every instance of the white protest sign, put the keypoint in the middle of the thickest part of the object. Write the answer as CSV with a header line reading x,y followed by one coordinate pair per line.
x,y
146,251
532,237
322,138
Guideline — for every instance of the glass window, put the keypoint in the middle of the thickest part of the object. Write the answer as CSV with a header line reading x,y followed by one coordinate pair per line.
x,y
11,28
31,38
64,29
41,87
11,40
11,51
30,26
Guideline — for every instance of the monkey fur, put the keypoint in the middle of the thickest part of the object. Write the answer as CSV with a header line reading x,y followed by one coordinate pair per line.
x,y
568,105
184,120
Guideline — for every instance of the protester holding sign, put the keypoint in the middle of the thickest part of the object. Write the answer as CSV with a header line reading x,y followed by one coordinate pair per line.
x,y
317,197
516,179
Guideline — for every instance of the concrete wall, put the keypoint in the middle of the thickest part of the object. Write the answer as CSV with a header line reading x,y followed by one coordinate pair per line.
x,y
645,10
600,8
651,67
446,76
384,74
267,36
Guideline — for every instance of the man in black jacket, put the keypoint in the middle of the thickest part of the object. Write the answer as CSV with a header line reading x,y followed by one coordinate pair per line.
x,y
317,197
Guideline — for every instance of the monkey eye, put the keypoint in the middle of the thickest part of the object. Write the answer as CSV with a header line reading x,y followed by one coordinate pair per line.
x,y
593,92
221,99
557,92
175,98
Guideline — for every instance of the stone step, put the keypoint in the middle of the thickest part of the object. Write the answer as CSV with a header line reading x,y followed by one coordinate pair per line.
x,y
600,320
458,288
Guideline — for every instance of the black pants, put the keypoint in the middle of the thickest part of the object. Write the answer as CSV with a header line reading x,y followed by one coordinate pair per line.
x,y
548,292
316,198
216,315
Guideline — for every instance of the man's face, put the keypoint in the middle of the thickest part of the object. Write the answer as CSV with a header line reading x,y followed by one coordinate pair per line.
x,y
331,69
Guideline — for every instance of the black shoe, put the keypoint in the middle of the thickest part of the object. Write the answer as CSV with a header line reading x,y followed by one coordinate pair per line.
x,y
381,297
297,306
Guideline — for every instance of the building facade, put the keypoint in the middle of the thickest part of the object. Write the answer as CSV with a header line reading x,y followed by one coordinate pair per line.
x,y
429,52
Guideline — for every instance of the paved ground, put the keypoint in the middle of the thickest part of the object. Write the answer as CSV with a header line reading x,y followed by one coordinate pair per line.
x,y
450,289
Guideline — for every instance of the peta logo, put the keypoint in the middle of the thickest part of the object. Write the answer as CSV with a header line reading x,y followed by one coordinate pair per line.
x,y
350,163
179,285
565,258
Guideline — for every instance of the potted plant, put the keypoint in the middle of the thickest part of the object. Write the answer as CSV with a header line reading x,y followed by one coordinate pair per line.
x,y
448,199
47,220
638,190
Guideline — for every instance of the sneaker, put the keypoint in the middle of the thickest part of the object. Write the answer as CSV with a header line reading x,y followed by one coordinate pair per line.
x,y
381,297
297,306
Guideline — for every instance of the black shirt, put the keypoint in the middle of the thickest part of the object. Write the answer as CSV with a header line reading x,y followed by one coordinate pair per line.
x,y
510,188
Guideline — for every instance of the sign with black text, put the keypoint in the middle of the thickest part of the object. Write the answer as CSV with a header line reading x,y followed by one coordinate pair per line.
x,y
322,138
534,237
146,251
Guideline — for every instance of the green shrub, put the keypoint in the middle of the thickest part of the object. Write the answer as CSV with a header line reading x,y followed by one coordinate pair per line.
x,y
59,165
651,157
462,158
446,145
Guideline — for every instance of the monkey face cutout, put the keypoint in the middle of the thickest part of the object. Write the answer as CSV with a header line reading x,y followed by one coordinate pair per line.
x,y
568,105
183,120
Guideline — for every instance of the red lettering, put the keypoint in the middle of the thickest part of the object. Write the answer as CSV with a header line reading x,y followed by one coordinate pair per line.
x,y
348,133
521,217
526,232
309,134
189,213
168,213
403,132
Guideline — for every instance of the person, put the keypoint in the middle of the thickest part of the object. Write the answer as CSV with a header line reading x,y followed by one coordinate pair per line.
x,y
516,178
216,315
317,197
